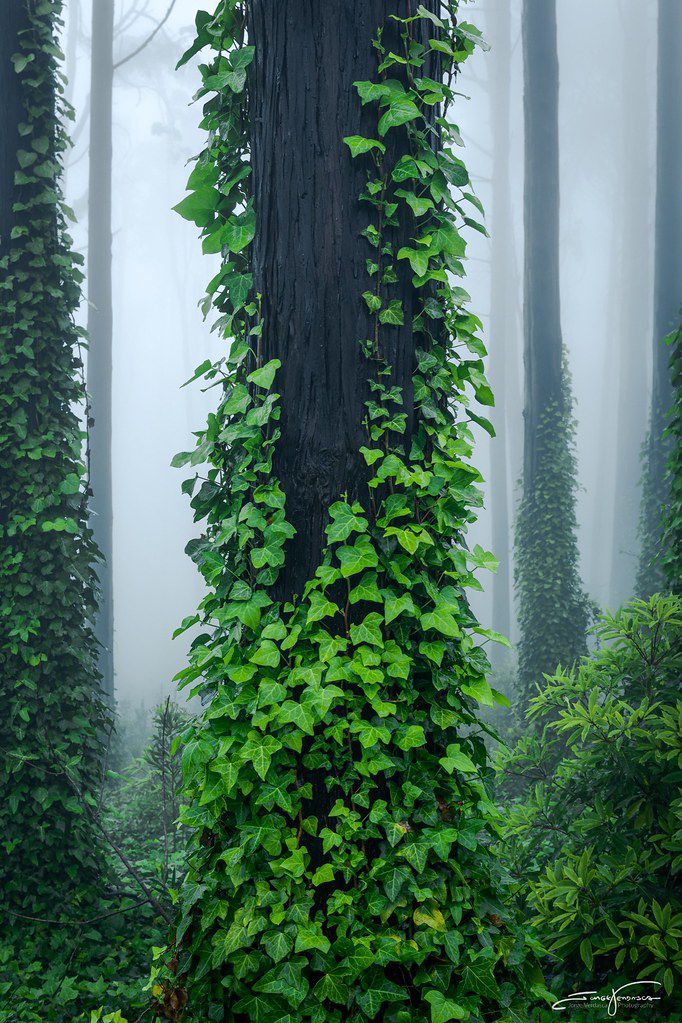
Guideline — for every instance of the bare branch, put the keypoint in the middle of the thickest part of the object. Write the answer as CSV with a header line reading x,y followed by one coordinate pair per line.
x,y
149,38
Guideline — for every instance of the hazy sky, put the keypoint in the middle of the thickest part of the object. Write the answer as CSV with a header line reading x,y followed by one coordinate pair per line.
x,y
160,274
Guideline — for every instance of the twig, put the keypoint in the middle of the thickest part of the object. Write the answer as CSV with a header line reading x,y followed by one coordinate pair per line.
x,y
77,923
147,41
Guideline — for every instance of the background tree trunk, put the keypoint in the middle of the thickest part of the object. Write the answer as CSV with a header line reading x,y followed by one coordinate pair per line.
x,y
308,256
13,18
630,297
542,308
503,321
100,322
667,291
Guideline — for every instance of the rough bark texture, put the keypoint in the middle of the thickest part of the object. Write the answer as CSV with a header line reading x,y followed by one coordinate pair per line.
x,y
13,18
100,321
309,259
542,316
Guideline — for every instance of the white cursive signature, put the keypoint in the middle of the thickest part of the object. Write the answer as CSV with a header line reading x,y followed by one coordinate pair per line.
x,y
612,1000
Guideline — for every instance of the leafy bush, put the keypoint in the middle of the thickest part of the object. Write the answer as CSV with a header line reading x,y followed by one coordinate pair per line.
x,y
597,840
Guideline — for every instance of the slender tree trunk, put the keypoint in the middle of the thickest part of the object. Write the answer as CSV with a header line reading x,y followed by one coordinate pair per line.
x,y
13,19
307,252
542,315
667,291
631,326
100,321
553,609
502,316
668,239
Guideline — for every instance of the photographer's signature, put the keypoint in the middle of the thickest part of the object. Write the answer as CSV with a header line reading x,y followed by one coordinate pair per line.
x,y
614,999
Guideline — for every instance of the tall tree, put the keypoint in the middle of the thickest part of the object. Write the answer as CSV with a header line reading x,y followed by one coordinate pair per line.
x,y
503,318
667,289
52,716
100,322
631,323
337,658
553,608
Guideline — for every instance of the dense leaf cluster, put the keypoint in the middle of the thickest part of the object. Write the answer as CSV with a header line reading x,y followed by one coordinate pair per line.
x,y
52,716
554,611
596,840
362,694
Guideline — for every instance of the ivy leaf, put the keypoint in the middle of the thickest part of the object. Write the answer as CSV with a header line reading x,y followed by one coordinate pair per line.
x,y
457,761
358,557
393,313
278,945
345,520
443,1009
400,111
296,714
368,631
332,988
264,376
239,232
359,145
266,655
380,990
411,737
396,606
320,607
259,752
323,874
478,977
479,690
442,621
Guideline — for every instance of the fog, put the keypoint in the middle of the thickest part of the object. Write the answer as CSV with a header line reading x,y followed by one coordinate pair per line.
x,y
607,125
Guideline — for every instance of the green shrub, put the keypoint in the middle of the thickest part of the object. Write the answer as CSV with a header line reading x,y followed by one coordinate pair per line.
x,y
596,839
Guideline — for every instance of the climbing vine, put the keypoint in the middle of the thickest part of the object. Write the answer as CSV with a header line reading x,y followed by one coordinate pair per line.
x,y
660,515
672,536
554,611
52,718
366,688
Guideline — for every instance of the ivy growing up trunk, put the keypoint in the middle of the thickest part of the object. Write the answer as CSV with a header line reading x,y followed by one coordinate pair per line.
x,y
651,575
336,780
553,608
52,716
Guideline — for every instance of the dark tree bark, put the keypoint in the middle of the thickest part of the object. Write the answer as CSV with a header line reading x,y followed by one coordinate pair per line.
x,y
309,259
542,310
100,322
13,19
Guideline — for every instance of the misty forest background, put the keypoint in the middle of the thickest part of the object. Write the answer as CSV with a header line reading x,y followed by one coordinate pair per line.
x,y
607,118
572,137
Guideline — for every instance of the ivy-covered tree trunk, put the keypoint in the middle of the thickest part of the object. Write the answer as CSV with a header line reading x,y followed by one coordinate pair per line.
x,y
667,292
307,259
335,780
52,717
553,609
100,325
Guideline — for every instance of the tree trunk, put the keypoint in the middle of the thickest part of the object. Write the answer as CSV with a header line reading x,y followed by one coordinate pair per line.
x,y
502,318
630,325
307,253
667,292
543,345
13,19
100,322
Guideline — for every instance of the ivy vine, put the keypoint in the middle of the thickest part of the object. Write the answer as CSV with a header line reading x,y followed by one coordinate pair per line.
x,y
52,716
554,610
394,906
